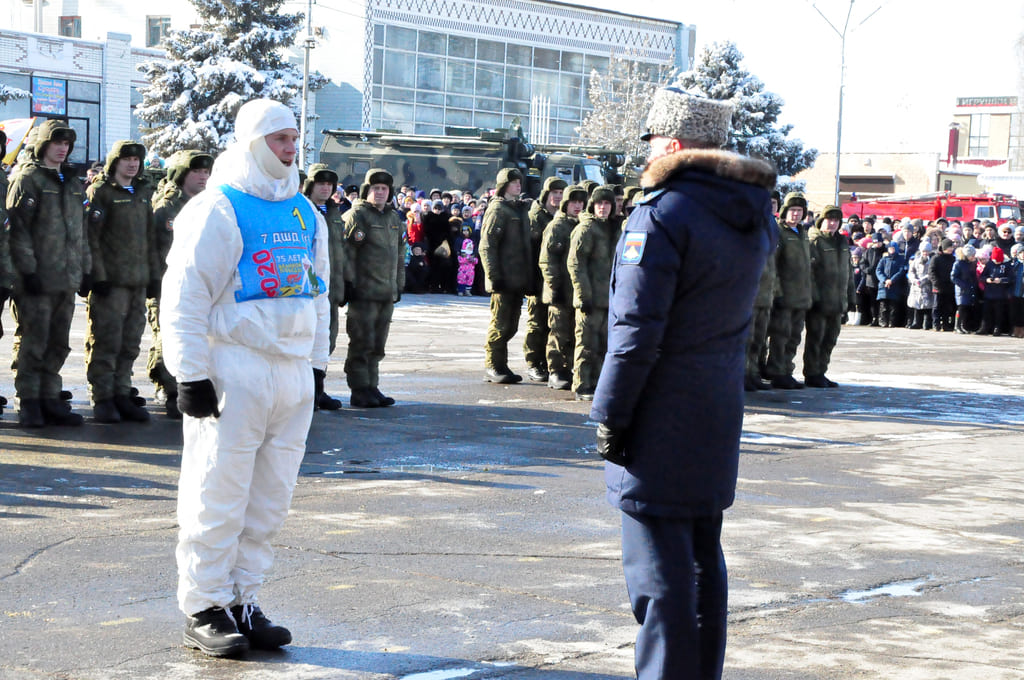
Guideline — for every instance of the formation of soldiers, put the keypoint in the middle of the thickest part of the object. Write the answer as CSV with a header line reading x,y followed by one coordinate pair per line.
x,y
108,242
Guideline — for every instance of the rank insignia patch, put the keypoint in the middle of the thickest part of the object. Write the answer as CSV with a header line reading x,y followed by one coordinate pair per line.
x,y
633,247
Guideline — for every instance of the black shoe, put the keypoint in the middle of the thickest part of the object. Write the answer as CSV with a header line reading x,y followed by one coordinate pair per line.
x,y
65,395
383,398
815,381
58,412
173,412
786,382
30,413
262,634
214,632
326,402
136,399
104,411
129,409
502,376
762,384
363,397
536,374
559,382
583,394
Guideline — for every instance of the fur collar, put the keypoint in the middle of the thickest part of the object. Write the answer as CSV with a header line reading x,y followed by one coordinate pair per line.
x,y
725,164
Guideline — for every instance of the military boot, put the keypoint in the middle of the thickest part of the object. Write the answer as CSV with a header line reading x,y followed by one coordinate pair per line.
x,y
325,402
363,397
213,631
129,410
30,413
559,381
261,632
502,376
58,412
171,405
383,398
104,411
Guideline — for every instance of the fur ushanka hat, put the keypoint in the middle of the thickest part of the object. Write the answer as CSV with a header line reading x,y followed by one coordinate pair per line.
x,y
681,115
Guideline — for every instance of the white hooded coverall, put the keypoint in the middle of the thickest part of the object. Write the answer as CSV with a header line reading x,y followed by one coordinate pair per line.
x,y
238,471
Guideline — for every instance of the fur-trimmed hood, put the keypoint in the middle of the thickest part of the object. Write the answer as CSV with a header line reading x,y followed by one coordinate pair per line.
x,y
725,164
733,188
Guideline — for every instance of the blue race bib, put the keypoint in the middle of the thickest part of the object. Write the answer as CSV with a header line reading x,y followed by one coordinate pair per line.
x,y
278,253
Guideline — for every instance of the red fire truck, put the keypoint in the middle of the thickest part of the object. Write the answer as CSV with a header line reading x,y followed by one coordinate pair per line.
x,y
996,208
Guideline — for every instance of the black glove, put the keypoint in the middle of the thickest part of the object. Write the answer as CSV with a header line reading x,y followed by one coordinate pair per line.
x,y
318,386
33,284
350,293
153,289
198,399
610,445
398,298
5,295
102,288
587,307
83,290
497,285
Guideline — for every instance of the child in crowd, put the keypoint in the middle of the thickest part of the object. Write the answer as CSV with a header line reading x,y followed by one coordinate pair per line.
x,y
417,271
966,280
467,267
921,299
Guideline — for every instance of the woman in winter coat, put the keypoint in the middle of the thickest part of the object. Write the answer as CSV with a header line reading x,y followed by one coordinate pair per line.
x,y
921,298
997,277
891,273
867,299
965,278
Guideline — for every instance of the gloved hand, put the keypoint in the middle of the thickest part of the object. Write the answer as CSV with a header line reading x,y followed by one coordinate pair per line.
x,y
318,386
198,399
497,285
350,293
102,288
33,283
587,307
398,298
611,444
86,287
153,289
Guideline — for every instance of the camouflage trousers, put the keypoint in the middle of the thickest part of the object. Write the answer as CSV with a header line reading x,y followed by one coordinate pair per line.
x,y
113,338
757,343
505,311
819,341
367,324
591,343
41,342
561,339
335,315
155,367
784,329
535,342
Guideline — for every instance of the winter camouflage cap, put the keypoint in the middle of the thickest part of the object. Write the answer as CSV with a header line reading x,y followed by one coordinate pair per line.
x,y
319,172
182,162
506,176
681,115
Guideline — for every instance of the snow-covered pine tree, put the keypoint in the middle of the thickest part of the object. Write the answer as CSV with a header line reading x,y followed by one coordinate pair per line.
x,y
236,56
8,93
717,74
621,98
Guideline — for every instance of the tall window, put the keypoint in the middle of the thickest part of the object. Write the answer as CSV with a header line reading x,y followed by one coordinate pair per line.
x,y
71,27
156,29
978,145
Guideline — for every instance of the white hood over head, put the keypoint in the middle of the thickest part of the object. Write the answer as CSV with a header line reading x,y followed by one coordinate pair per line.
x,y
240,168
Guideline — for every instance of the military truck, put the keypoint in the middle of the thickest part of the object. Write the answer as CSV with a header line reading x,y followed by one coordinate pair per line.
x,y
463,158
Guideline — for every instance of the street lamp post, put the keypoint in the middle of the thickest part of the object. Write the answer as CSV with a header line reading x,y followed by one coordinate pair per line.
x,y
307,46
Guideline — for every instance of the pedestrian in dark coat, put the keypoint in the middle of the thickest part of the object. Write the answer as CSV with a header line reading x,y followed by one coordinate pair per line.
x,y
965,278
892,277
939,271
669,401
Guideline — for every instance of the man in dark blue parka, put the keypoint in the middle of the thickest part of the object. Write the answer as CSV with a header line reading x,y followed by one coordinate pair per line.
x,y
669,401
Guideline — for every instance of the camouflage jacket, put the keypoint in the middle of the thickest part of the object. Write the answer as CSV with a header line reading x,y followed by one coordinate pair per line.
x,y
590,261
540,218
47,231
831,273
376,252
7,278
793,269
121,233
505,247
553,250
339,257
166,207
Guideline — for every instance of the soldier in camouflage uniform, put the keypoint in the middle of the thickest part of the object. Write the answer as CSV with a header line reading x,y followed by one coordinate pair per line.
x,y
50,254
591,250
793,293
506,256
376,261
187,173
757,341
125,271
557,292
833,295
320,185
541,213
6,267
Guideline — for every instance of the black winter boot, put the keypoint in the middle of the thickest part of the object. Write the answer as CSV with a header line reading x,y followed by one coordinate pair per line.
x,y
30,413
129,409
260,631
171,405
325,402
214,632
104,411
363,397
382,398
58,412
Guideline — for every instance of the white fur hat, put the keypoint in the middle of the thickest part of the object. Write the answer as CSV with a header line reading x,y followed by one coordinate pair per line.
x,y
679,114
260,117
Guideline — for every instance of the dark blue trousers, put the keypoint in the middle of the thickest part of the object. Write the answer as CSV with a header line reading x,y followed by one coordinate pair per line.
x,y
678,588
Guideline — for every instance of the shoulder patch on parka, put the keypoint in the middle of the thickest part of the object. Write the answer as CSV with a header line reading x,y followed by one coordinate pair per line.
x,y
633,244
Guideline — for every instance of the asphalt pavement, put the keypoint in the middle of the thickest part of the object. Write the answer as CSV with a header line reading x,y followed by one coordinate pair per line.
x,y
463,532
